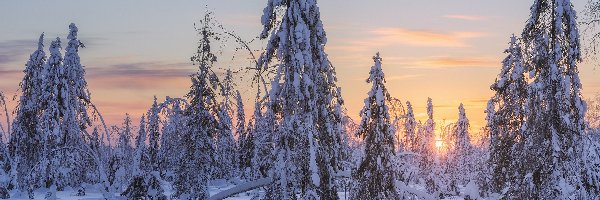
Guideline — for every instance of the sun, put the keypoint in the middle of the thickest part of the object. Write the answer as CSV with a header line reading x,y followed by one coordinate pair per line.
x,y
439,143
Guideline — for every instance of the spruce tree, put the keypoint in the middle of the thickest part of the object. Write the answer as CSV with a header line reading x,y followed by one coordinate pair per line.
x,y
304,94
506,116
551,164
428,163
410,125
244,145
197,151
145,183
459,162
121,162
153,136
50,117
375,175
74,101
225,143
25,133
262,136
171,136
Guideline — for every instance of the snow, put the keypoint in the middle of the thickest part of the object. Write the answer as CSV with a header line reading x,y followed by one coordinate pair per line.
x,y
379,97
243,187
472,190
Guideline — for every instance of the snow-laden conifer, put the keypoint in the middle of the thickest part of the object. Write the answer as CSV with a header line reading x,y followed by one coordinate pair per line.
x,y
460,163
305,95
224,141
551,163
197,151
506,116
25,133
410,126
172,131
375,175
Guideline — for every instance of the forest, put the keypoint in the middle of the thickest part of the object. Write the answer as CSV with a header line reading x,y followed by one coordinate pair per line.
x,y
541,139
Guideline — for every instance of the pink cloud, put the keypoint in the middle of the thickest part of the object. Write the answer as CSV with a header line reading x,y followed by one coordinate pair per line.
x,y
466,17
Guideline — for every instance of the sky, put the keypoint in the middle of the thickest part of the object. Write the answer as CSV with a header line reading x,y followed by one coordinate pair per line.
x,y
447,50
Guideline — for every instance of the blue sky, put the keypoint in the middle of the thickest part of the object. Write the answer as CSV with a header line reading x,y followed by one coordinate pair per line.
x,y
447,50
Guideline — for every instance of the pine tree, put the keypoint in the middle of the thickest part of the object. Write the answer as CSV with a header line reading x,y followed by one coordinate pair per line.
x,y
136,186
262,136
306,97
122,159
140,155
197,152
245,145
153,136
375,176
25,133
171,136
459,159
225,143
74,100
428,163
410,125
145,183
506,116
551,163
50,119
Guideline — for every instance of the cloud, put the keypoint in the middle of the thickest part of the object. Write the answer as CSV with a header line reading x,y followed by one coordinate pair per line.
x,y
4,59
138,83
402,77
394,78
454,62
477,101
15,50
365,43
143,69
423,38
466,17
11,72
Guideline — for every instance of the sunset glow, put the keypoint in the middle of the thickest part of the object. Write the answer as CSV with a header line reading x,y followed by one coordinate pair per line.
x,y
448,51
439,144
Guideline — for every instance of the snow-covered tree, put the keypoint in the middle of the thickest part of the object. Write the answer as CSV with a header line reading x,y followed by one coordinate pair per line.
x,y
50,119
74,101
197,152
120,163
375,176
410,126
304,94
124,146
7,165
135,186
25,125
225,145
426,141
240,116
262,136
153,136
459,162
171,135
144,184
140,155
245,145
551,164
506,116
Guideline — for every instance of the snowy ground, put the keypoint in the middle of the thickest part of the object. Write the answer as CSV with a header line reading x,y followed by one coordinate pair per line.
x,y
92,192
